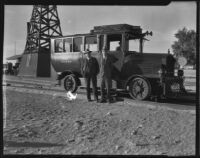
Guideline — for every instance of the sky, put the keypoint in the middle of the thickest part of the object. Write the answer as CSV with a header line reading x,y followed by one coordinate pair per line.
x,y
163,21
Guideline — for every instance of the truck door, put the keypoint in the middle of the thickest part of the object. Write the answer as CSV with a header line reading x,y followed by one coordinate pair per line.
x,y
115,45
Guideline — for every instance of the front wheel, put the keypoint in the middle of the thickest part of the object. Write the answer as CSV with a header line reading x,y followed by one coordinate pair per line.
x,y
139,88
70,83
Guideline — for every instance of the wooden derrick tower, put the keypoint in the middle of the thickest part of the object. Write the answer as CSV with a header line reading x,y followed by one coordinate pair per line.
x,y
43,25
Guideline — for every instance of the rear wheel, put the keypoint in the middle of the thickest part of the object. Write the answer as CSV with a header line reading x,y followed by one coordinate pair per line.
x,y
70,83
139,88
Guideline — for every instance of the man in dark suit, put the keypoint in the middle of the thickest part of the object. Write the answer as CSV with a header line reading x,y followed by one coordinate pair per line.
x,y
105,74
90,69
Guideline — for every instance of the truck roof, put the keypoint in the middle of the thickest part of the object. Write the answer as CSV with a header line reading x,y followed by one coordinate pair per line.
x,y
74,35
115,28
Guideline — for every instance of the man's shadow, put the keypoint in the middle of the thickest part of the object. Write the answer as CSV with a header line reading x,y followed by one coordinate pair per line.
x,y
115,96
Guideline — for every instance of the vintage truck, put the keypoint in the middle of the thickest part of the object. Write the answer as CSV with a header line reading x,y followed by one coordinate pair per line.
x,y
140,74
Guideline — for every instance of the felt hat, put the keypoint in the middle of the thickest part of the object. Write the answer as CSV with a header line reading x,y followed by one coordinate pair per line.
x,y
87,51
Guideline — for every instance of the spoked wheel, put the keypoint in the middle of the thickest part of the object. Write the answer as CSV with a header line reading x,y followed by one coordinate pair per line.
x,y
70,83
139,88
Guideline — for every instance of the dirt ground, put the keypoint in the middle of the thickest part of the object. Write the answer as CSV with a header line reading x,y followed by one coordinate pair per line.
x,y
48,123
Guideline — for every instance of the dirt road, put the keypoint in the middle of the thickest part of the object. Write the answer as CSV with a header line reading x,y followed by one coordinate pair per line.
x,y
45,122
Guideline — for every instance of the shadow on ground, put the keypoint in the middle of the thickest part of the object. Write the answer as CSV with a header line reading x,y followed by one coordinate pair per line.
x,y
29,144
189,100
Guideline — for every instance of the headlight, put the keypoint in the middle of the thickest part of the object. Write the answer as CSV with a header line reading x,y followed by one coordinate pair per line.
x,y
180,73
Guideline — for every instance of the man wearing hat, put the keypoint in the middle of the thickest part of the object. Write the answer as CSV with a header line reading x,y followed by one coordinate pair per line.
x,y
105,74
90,69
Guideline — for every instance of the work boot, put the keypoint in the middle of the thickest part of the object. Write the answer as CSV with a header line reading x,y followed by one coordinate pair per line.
x,y
96,99
89,99
110,101
102,101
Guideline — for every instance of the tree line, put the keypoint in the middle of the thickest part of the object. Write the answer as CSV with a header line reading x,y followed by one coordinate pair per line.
x,y
185,45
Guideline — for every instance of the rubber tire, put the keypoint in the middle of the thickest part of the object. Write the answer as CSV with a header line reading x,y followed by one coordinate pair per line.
x,y
147,88
74,81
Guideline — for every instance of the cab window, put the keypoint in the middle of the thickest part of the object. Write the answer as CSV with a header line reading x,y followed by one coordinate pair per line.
x,y
58,45
78,44
91,43
115,42
68,45
133,45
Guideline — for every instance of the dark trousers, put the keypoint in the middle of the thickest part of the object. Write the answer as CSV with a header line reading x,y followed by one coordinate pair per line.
x,y
94,84
105,83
